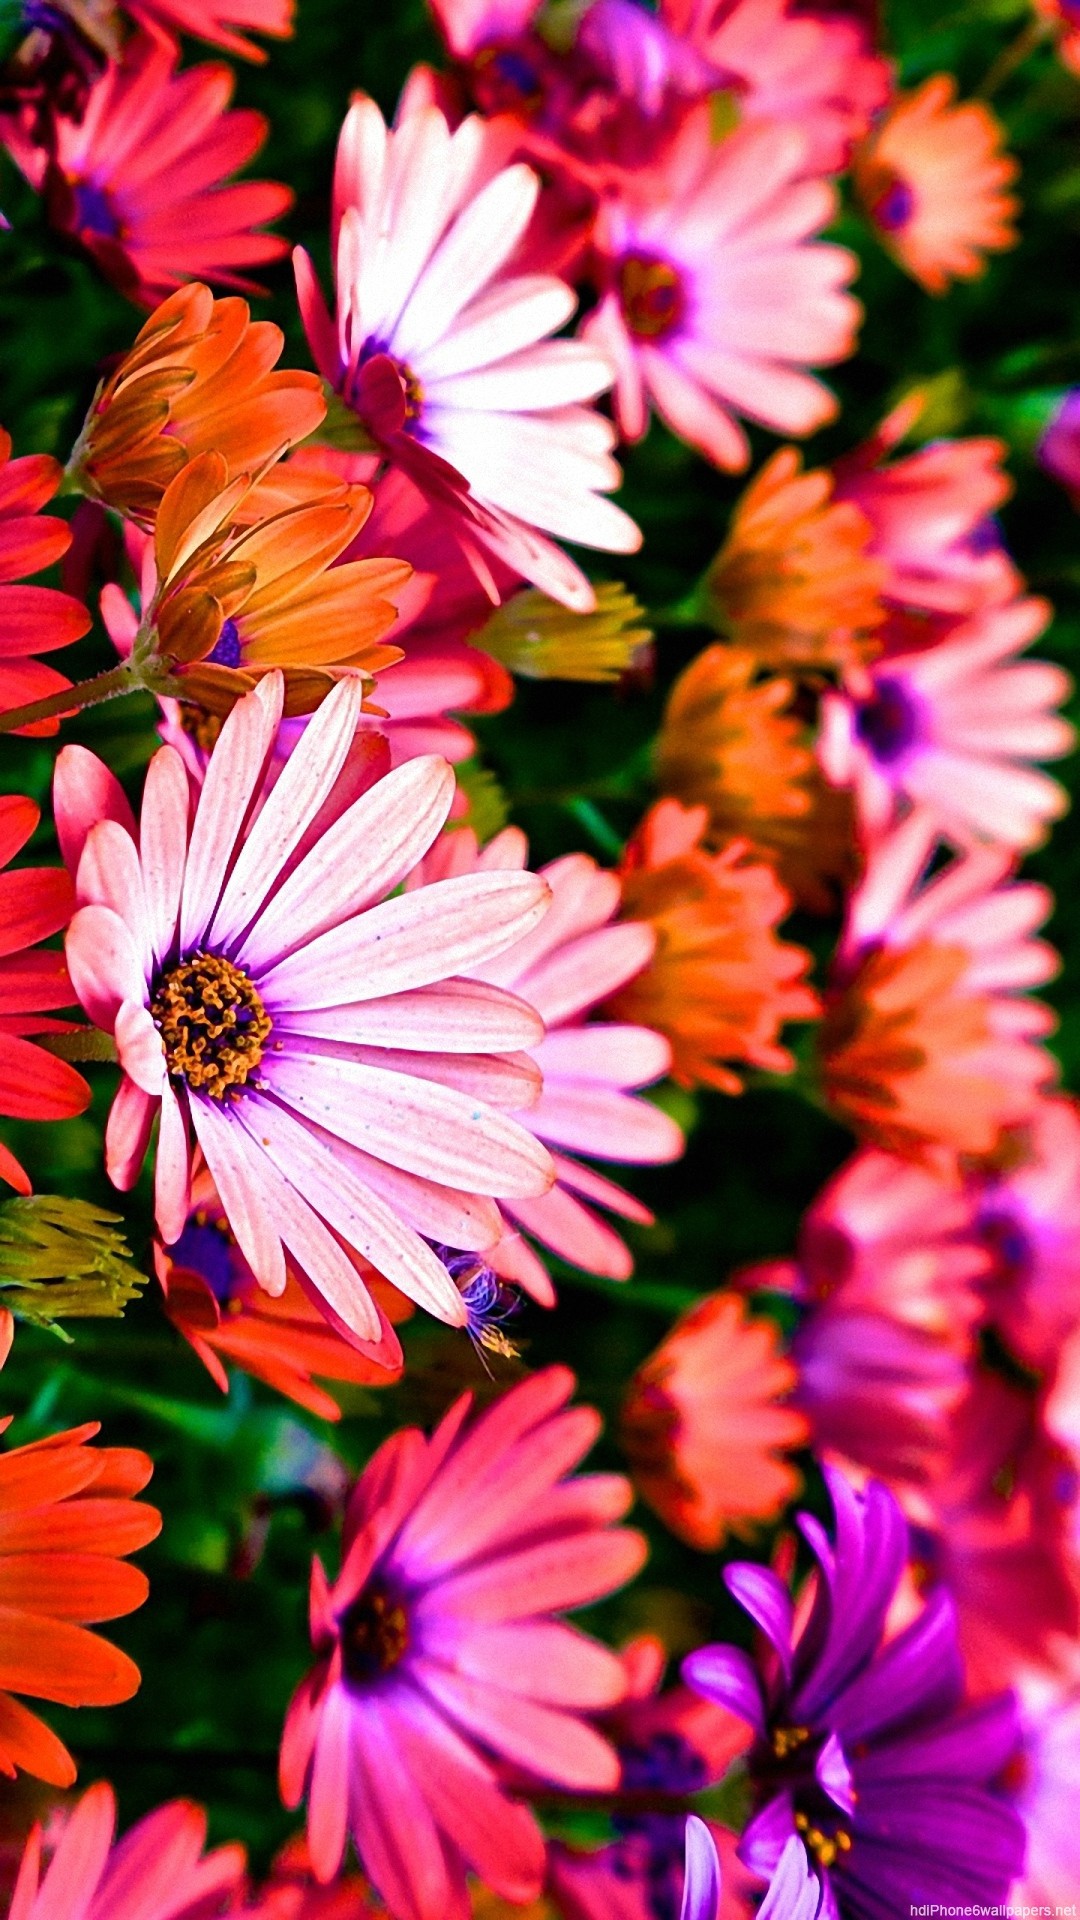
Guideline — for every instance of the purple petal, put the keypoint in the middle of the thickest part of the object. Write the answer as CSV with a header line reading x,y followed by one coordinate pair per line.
x,y
727,1677
701,1888
833,1775
767,1601
920,1674
762,1845
794,1892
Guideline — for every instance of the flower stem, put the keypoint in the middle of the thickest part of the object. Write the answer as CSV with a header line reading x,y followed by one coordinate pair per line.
x,y
110,685
1011,57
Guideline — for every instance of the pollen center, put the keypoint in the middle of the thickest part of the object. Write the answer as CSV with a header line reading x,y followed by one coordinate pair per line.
x,y
651,293
212,1023
374,1636
825,1847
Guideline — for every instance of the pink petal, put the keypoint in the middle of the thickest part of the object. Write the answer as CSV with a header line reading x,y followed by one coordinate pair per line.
x,y
328,1793
84,792
103,964
228,1159
110,876
555,1745
172,1170
454,1016
163,847
127,1134
547,1578
542,1659
138,1044
395,1832
236,768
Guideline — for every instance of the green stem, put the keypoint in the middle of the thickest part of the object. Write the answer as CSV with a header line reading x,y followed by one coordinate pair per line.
x,y
111,685
1030,36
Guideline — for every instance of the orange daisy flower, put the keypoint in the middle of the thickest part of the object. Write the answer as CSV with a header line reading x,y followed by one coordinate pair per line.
x,y
720,984
731,741
67,1518
794,581
200,378
934,178
705,1426
234,601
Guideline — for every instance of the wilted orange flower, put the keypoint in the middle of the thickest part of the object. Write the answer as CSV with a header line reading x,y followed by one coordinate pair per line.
x,y
720,984
67,1518
705,1427
200,378
794,581
234,601
934,179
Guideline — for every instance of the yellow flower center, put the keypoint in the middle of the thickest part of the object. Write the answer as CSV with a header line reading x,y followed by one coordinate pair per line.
x,y
212,1023
651,294
825,1847
374,1636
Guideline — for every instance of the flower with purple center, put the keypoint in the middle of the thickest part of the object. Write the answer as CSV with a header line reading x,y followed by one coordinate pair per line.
x,y
863,1746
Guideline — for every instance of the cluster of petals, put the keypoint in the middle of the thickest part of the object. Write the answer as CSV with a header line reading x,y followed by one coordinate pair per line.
x,y
157,1871
720,984
934,179
718,295
142,179
1027,1213
592,1068
347,1086
33,619
217,21
927,1047
442,1670
67,1519
444,352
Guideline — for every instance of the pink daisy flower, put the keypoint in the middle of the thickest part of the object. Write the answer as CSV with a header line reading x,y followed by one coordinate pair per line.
x,y
1050,1718
811,69
141,180
717,297
445,355
952,727
592,1069
1029,1218
158,1871
442,1674
348,1089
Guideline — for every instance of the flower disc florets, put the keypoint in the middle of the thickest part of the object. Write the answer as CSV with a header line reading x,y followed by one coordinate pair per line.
x,y
374,1636
212,1023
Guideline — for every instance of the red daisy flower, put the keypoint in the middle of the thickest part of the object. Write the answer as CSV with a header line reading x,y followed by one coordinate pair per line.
x,y
32,619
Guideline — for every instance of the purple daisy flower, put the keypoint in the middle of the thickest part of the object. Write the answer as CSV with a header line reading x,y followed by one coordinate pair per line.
x,y
864,1748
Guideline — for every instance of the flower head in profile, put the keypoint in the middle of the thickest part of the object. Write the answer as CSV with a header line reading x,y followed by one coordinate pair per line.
x,y
213,1299
441,1661
200,377
33,619
720,984
67,1520
158,1871
954,727
931,512
593,1066
795,582
537,638
445,356
863,1747
934,179
347,1086
717,294
927,1048
706,1426
63,1259
35,902
142,180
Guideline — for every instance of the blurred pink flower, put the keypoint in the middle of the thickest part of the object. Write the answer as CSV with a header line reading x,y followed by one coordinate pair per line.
x,y
141,180
217,21
158,1871
592,1069
444,354
344,1083
1049,1796
1059,448
442,1678
1029,1217
716,295
953,727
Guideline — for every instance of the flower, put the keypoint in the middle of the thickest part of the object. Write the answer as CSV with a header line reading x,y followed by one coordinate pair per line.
x,y
592,1067
199,378
1048,1797
934,180
794,582
863,1746
720,985
705,1427
925,1047
214,1300
953,727
67,1519
227,602
446,359
537,638
342,1080
158,1870
1027,1213
33,620
1058,450
35,902
814,70
733,741
717,296
439,1659
217,20
931,515
62,1259
139,181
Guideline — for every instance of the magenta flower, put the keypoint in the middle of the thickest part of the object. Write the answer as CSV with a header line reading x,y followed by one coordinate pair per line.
x,y
442,1676
592,1068
1059,448
718,297
1029,1218
863,1745
445,355
953,727
347,1087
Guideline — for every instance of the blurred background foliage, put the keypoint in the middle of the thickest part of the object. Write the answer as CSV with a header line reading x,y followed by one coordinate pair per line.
x,y
248,1484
